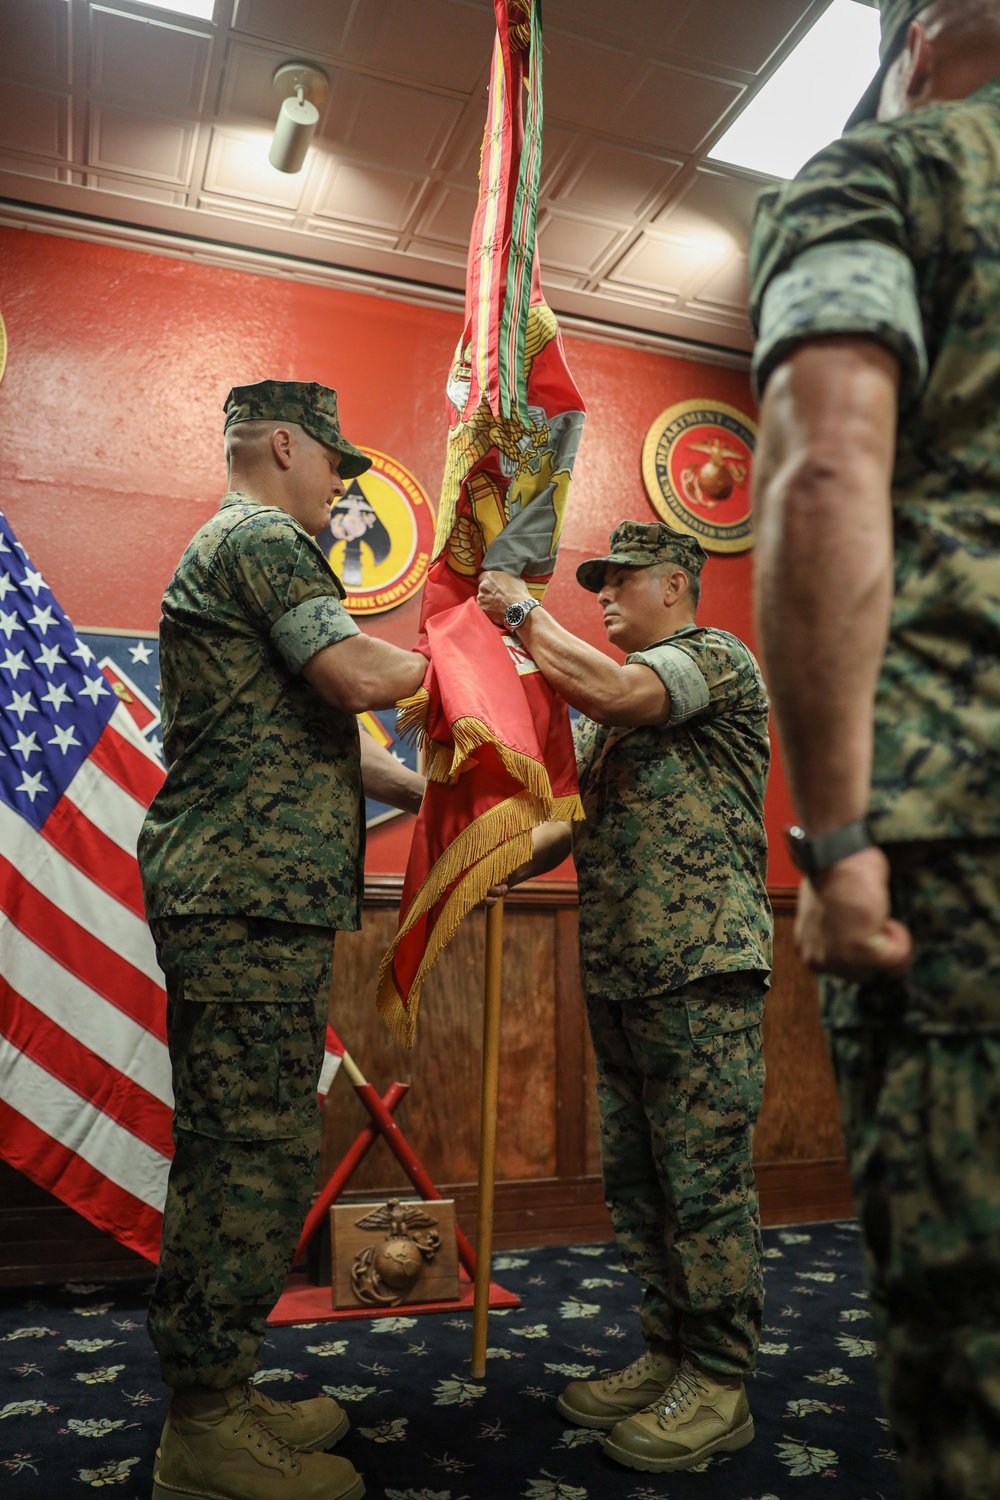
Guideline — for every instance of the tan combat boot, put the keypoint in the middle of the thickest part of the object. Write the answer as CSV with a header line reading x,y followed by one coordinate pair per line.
x,y
603,1402
315,1424
698,1414
216,1447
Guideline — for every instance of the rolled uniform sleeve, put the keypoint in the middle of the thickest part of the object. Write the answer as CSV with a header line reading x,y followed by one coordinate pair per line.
x,y
285,587
706,672
831,253
681,677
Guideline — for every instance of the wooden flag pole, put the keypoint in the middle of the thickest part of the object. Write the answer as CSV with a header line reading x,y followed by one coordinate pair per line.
x,y
487,1134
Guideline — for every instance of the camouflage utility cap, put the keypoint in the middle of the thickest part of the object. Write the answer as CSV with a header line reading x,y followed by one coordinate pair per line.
x,y
311,405
896,18
642,544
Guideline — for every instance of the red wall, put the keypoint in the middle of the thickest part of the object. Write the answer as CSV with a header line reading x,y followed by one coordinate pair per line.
x,y
111,416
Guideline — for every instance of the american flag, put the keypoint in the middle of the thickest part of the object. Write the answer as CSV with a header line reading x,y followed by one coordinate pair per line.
x,y
85,1097
85,1100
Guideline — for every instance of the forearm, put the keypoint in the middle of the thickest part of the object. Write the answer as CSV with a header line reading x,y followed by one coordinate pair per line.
x,y
362,672
386,779
551,843
824,566
584,676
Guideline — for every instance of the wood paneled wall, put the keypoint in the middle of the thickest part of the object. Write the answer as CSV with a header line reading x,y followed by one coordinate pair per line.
x,y
548,1183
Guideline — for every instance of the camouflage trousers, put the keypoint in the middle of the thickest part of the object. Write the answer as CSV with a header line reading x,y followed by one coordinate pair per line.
x,y
680,1078
920,1099
246,1017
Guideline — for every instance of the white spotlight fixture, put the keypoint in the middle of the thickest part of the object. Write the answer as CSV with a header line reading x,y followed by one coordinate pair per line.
x,y
301,87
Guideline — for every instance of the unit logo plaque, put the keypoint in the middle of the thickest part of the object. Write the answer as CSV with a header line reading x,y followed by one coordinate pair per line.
x,y
380,537
696,465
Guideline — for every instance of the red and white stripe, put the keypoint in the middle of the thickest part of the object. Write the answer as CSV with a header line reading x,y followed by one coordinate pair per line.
x,y
85,1099
333,1056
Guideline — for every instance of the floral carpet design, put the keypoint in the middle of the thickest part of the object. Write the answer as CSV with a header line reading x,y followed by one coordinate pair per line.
x,y
81,1404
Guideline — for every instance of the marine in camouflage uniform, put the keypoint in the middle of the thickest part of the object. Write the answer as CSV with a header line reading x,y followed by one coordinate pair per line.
x,y
675,953
893,234
252,858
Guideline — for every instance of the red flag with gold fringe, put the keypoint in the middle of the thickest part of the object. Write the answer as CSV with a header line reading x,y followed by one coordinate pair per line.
x,y
498,748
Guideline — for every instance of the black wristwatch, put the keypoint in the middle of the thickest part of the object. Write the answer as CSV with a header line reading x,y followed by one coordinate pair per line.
x,y
515,615
813,855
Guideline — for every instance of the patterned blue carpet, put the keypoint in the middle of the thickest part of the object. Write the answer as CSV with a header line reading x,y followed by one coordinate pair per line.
x,y
81,1404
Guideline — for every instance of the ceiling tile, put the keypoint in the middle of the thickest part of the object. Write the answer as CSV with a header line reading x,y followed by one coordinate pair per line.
x,y
317,26
142,144
674,110
35,40
148,192
448,215
616,182
367,195
31,120
389,123
738,33
438,42
354,234
664,266
247,89
437,250
135,59
562,279
576,244
637,25
727,288
238,167
584,83
38,171
714,203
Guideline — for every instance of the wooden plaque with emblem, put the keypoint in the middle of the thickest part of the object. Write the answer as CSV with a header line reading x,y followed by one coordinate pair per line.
x,y
394,1253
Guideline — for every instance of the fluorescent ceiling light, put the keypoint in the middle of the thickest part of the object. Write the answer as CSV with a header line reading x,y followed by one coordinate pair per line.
x,y
201,8
806,104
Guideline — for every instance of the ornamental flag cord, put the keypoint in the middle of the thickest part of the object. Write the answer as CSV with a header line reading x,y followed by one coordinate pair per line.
x,y
85,1096
497,742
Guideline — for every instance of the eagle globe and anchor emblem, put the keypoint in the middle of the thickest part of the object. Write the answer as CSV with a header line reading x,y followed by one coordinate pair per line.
x,y
382,1274
696,465
380,538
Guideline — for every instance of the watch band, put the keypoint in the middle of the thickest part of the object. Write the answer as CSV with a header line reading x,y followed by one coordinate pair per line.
x,y
812,854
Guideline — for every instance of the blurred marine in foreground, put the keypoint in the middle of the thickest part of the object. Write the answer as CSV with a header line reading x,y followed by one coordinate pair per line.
x,y
876,295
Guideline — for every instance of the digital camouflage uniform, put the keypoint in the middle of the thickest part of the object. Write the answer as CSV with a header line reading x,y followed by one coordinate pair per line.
x,y
894,232
251,858
675,950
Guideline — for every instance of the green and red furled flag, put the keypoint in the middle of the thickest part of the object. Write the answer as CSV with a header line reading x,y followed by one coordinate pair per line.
x,y
498,748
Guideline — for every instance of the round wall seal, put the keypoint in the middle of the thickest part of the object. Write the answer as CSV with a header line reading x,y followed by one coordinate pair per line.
x,y
380,537
696,464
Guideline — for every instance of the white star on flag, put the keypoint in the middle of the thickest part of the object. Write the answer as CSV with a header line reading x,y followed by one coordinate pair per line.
x,y
7,585
32,786
63,738
43,618
83,651
14,664
21,705
26,744
34,581
9,623
140,654
93,688
50,658
57,696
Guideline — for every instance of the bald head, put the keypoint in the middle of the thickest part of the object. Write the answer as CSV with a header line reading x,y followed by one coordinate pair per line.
x,y
951,49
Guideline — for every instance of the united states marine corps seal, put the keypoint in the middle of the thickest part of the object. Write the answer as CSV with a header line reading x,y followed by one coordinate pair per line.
x,y
380,537
696,463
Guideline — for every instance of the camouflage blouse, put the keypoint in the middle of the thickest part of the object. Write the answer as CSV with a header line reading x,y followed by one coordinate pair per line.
x,y
672,860
894,231
260,813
